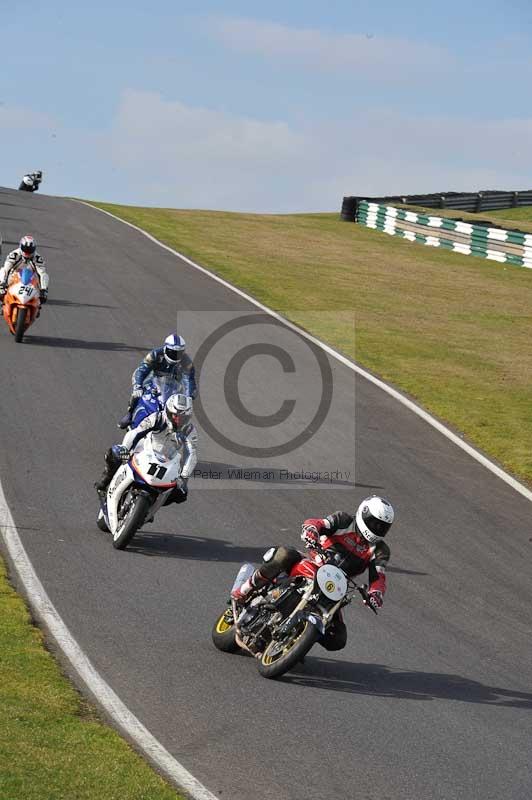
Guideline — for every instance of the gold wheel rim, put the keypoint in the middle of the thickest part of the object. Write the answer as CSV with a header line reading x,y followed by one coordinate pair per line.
x,y
222,626
268,660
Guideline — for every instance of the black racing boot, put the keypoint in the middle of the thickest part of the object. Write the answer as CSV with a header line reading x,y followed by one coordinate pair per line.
x,y
125,422
112,462
103,483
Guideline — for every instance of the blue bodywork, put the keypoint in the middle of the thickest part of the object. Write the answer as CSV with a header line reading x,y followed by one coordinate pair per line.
x,y
155,394
26,275
149,403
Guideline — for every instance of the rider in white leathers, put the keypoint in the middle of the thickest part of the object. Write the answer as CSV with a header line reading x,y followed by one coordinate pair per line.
x,y
173,423
25,255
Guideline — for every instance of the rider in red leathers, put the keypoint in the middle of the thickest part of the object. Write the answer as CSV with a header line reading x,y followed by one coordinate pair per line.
x,y
357,543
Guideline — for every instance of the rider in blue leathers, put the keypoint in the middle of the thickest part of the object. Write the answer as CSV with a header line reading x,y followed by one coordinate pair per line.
x,y
169,360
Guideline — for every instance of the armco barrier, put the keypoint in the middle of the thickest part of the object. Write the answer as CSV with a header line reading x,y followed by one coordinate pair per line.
x,y
488,200
497,244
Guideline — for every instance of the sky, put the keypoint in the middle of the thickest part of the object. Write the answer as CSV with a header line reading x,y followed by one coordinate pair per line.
x,y
276,107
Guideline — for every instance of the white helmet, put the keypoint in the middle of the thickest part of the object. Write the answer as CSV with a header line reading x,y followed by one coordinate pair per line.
x,y
374,518
177,411
174,347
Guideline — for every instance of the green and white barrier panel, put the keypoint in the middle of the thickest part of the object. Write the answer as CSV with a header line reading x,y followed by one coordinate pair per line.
x,y
497,244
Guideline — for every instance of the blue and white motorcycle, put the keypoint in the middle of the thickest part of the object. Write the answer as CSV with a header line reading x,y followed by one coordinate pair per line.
x,y
154,396
139,488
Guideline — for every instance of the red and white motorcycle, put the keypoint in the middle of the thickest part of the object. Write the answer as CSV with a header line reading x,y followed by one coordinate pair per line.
x,y
281,622
139,488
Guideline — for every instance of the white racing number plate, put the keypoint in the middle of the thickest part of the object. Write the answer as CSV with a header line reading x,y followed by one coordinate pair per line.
x,y
332,582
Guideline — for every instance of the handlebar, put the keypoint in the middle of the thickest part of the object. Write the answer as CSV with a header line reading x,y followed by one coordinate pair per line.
x,y
365,596
362,590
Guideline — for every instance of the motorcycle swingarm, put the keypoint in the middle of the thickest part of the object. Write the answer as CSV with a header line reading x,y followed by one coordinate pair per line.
x,y
307,614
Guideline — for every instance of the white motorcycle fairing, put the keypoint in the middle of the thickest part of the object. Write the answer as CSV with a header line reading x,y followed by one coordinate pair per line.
x,y
332,582
23,291
151,464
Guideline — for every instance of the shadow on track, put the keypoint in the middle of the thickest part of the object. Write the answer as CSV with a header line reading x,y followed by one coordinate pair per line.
x,y
193,548
72,304
379,680
405,571
81,344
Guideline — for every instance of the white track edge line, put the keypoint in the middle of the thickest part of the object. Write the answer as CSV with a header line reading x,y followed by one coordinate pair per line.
x,y
124,719
482,459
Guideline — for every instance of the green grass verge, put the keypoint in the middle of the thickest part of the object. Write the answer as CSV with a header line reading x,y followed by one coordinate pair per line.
x,y
52,745
452,331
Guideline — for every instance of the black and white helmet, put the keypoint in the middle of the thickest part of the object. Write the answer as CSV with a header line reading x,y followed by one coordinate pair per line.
x,y
177,411
374,518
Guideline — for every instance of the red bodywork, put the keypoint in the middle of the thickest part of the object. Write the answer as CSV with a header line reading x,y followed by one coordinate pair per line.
x,y
304,568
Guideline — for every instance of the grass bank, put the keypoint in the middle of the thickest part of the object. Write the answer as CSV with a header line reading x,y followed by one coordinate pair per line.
x,y
450,330
52,744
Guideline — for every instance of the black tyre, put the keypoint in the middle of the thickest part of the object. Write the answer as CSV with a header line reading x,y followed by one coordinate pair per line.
x,y
101,523
131,522
281,656
223,633
20,324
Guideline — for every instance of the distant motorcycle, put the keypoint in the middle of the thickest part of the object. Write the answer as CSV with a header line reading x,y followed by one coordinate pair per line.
x,y
30,182
139,488
22,301
280,623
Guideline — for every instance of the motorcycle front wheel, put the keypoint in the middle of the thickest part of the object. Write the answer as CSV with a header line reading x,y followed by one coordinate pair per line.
x,y
20,324
223,633
131,522
281,656
101,523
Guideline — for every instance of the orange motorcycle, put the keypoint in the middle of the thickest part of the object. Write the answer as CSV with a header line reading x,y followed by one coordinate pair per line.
x,y
22,301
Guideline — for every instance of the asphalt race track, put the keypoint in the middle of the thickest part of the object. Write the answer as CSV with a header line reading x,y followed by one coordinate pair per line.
x,y
431,699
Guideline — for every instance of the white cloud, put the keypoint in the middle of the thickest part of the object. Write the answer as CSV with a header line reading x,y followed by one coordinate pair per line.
x,y
200,157
366,56
184,131
175,155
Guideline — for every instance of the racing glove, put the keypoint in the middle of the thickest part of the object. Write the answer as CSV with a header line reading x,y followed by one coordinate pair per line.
x,y
310,535
137,392
375,599
120,452
43,297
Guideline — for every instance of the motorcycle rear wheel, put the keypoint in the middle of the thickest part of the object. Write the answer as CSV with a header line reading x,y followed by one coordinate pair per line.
x,y
133,521
223,634
20,324
274,663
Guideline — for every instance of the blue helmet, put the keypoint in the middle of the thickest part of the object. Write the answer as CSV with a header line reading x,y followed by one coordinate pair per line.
x,y
174,347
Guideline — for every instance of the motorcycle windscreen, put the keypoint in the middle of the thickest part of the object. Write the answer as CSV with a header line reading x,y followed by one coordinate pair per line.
x,y
165,450
167,386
